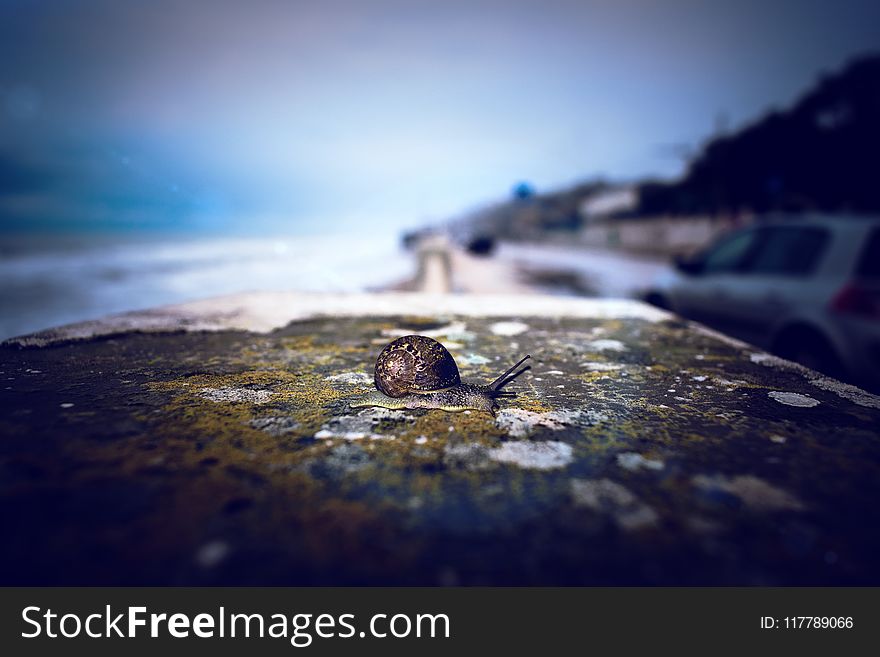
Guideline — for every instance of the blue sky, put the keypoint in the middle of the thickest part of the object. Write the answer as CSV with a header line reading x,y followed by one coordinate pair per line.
x,y
322,116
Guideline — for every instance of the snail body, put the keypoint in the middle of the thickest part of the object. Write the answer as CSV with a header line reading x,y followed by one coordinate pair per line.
x,y
418,372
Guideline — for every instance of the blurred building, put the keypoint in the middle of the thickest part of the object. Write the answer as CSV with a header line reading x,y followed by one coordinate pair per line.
x,y
610,202
818,156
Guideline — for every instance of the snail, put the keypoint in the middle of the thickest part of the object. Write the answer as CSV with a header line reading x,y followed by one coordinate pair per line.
x,y
418,372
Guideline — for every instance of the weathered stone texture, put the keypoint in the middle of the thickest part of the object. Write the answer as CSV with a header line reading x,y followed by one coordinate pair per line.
x,y
637,452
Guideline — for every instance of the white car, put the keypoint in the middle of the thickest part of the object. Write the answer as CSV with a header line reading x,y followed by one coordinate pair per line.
x,y
807,289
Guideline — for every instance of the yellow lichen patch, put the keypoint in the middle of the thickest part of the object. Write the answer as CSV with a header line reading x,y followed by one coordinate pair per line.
x,y
298,342
660,410
612,325
239,379
476,426
299,387
325,352
224,427
528,403
592,377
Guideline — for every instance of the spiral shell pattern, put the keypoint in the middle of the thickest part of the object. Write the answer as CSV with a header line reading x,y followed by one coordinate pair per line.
x,y
415,364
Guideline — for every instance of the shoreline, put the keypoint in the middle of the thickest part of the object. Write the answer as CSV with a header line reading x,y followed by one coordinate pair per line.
x,y
44,293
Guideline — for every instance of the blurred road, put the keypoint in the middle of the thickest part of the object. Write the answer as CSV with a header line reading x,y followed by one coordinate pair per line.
x,y
516,268
580,271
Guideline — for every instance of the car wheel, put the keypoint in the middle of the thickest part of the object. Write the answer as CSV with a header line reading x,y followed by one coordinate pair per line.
x,y
658,300
809,348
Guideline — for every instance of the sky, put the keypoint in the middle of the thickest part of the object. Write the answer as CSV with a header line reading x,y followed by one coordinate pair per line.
x,y
324,116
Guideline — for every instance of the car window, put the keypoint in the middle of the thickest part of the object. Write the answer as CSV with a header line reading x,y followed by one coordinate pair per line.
x,y
869,262
729,253
787,250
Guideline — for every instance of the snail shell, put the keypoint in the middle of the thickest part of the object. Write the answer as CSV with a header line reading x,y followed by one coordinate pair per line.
x,y
415,364
417,372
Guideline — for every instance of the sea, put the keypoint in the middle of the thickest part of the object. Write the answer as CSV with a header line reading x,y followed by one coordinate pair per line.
x,y
52,280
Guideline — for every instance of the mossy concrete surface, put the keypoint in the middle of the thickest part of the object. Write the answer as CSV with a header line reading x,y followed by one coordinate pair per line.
x,y
636,452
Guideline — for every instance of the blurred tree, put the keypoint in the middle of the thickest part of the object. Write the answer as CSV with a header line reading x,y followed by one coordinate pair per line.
x,y
819,155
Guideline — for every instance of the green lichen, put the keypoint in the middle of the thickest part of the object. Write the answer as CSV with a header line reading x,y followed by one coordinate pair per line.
x,y
175,470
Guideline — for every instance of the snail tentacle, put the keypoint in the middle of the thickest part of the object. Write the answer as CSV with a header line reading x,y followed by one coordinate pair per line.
x,y
505,378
